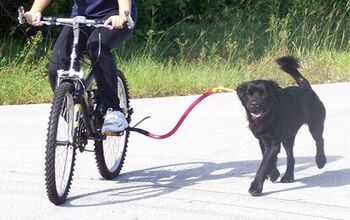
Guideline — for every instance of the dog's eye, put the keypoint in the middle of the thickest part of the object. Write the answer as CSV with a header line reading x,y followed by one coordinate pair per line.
x,y
261,92
251,92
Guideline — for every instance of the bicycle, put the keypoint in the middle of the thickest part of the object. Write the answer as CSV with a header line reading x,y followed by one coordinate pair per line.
x,y
76,117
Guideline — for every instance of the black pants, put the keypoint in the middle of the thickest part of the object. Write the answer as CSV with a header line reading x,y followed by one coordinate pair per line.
x,y
104,67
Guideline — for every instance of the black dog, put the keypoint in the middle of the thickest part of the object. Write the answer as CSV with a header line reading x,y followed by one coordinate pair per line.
x,y
275,116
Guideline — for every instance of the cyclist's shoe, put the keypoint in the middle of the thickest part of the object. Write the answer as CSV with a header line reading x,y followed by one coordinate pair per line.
x,y
115,121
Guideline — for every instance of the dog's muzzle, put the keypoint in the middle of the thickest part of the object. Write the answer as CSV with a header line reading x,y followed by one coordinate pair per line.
x,y
256,111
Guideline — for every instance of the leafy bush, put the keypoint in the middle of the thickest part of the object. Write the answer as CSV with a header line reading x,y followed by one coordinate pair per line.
x,y
159,14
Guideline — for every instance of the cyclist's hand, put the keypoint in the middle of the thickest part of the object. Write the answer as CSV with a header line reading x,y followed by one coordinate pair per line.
x,y
116,21
33,18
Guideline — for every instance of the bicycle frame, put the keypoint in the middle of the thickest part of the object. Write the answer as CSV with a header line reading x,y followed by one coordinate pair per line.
x,y
83,105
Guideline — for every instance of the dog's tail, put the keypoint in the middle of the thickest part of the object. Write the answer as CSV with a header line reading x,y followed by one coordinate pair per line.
x,y
290,65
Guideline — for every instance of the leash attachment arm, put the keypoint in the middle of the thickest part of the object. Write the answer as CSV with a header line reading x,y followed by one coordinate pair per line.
x,y
183,117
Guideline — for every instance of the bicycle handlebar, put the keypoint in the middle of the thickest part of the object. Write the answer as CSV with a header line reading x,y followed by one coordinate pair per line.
x,y
75,20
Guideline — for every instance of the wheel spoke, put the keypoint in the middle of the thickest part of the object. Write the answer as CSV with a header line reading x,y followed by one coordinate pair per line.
x,y
111,149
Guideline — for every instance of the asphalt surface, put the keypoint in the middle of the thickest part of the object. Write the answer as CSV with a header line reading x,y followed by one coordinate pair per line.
x,y
202,172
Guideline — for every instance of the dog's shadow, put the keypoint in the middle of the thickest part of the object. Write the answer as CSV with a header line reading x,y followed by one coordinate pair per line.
x,y
334,178
157,181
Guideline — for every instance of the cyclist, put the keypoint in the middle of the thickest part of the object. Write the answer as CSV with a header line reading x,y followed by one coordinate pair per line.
x,y
104,67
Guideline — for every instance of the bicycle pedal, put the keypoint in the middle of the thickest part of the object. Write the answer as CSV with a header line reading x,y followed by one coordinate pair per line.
x,y
114,133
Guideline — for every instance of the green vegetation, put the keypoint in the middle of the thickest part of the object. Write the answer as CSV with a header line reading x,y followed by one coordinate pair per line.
x,y
195,54
23,76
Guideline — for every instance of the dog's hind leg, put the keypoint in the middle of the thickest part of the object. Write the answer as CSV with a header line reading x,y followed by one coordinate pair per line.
x,y
288,145
316,127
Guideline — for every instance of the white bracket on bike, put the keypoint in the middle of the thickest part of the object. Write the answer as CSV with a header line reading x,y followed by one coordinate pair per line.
x,y
79,19
73,59
70,73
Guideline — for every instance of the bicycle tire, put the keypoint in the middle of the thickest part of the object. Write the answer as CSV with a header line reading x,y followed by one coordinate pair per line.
x,y
61,127
110,168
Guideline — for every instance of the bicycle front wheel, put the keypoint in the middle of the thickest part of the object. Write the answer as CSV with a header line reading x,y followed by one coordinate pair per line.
x,y
60,151
110,153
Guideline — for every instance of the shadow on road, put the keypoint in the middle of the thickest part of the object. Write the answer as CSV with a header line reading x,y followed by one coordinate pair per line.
x,y
334,178
157,181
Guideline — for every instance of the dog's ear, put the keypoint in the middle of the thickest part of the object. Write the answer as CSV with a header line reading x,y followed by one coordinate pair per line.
x,y
277,90
242,91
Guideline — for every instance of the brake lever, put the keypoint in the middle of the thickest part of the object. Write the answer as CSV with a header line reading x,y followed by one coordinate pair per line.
x,y
21,18
130,22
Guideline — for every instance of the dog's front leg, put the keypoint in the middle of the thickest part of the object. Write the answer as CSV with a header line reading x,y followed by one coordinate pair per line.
x,y
272,148
273,174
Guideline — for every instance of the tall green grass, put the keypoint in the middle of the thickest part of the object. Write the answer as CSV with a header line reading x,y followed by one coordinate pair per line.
x,y
191,57
23,71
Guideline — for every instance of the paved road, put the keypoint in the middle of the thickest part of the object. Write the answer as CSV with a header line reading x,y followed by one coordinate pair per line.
x,y
202,172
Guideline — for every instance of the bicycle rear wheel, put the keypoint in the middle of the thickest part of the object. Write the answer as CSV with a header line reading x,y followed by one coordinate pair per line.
x,y
60,150
110,153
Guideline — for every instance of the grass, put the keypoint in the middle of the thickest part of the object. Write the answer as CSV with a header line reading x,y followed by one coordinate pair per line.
x,y
191,57
148,77
23,77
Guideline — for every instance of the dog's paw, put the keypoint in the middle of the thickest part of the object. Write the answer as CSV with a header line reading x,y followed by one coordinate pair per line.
x,y
321,160
255,188
287,178
273,175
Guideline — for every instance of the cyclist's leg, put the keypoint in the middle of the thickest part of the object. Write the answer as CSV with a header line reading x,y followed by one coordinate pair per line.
x,y
60,57
104,67
60,54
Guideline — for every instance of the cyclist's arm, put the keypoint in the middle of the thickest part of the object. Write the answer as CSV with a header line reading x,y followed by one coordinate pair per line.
x,y
117,21
124,5
33,16
40,5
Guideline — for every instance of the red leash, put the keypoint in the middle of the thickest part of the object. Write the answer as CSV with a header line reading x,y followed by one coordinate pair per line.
x,y
183,117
